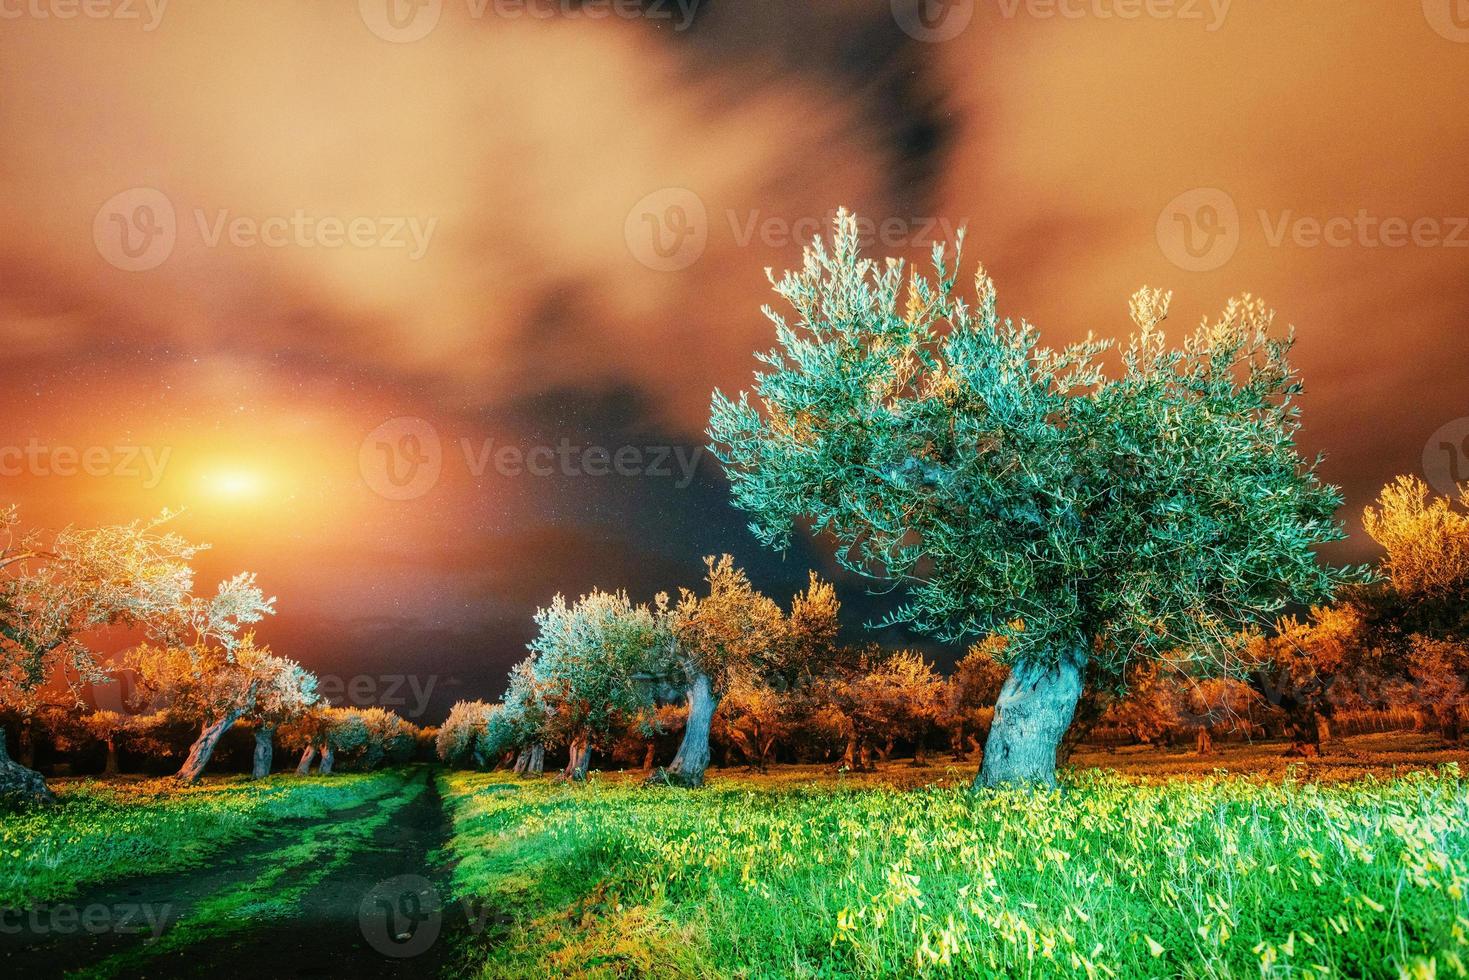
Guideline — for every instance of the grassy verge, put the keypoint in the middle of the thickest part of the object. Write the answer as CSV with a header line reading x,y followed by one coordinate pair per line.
x,y
99,831
1115,876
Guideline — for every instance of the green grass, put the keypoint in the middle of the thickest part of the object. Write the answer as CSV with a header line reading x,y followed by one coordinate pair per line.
x,y
1204,877
100,832
272,888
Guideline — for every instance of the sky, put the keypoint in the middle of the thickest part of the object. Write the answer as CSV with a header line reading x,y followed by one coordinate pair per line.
x,y
415,308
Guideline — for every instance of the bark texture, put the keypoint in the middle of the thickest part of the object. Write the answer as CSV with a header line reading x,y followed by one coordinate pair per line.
x,y
203,747
308,756
688,766
18,783
1031,717
264,751
537,763
328,759
579,757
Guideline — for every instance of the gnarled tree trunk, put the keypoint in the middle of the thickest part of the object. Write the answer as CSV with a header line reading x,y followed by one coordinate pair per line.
x,y
537,763
308,756
1031,717
578,758
522,760
687,768
203,747
328,759
18,783
264,751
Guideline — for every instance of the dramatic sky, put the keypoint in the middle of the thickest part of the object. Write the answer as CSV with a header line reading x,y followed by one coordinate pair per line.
x,y
308,269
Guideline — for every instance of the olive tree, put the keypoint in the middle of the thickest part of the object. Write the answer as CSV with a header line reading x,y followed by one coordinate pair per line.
x,y
1087,516
56,591
588,657
463,737
712,639
215,687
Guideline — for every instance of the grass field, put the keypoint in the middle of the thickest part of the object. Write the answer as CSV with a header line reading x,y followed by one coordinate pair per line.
x,y
103,831
1203,876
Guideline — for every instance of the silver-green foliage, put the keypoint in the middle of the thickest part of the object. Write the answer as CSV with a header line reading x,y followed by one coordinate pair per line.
x,y
1026,491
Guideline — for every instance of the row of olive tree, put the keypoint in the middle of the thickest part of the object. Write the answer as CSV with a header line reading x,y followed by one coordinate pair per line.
x,y
604,665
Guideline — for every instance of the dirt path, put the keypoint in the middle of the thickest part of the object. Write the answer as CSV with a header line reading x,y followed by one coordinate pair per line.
x,y
356,895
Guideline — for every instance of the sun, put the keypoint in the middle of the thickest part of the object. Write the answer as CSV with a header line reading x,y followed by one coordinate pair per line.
x,y
234,483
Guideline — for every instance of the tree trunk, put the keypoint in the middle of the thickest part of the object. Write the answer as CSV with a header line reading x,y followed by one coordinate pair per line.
x,y
692,759
27,745
521,761
537,764
1204,744
203,748
580,760
1448,723
864,756
328,759
649,753
264,751
765,753
111,769
1035,709
18,783
308,756
849,754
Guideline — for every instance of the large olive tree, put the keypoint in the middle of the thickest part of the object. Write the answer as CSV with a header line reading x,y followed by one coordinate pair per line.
x,y
1086,516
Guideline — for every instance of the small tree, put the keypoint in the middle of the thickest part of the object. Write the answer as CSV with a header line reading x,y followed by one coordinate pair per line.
x,y
894,695
286,692
753,716
588,658
714,638
307,733
1020,491
520,725
215,687
463,737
